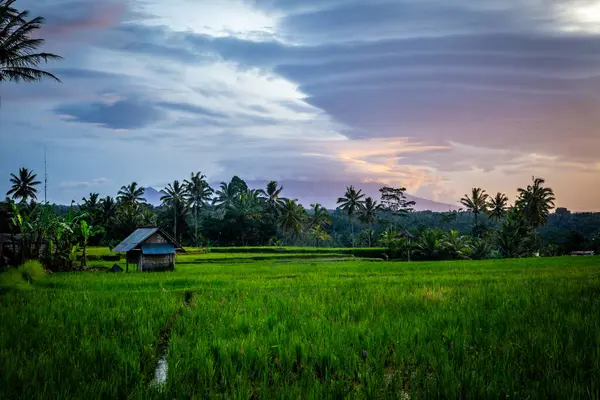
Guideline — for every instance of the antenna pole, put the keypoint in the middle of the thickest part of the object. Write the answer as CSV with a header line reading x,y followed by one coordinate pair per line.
x,y
45,178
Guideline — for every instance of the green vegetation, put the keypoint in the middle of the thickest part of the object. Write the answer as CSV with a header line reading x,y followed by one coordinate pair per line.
x,y
235,215
19,41
312,329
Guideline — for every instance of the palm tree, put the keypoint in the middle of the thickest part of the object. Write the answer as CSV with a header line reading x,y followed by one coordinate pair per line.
x,y
91,207
18,44
351,203
477,203
319,216
457,246
131,194
198,192
225,195
292,218
368,214
498,206
318,234
245,207
272,196
535,202
23,186
174,195
514,236
429,244
108,210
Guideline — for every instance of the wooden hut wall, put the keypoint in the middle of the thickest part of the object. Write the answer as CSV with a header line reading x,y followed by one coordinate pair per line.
x,y
158,261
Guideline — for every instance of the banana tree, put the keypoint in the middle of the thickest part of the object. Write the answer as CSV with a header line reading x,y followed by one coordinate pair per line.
x,y
86,231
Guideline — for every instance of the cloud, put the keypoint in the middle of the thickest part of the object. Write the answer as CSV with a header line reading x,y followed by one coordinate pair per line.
x,y
83,184
71,17
435,95
124,114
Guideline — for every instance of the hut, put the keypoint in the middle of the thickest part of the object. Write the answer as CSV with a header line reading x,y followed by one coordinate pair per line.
x,y
151,249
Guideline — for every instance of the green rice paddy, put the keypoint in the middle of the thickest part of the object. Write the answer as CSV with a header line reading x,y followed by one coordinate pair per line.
x,y
307,328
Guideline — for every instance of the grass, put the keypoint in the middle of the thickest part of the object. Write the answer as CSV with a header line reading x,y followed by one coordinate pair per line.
x,y
310,329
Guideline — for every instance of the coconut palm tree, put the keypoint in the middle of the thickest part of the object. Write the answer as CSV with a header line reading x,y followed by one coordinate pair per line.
x,y
430,244
368,214
319,216
272,196
23,185
535,202
457,245
198,193
108,210
477,203
131,194
225,195
292,218
19,42
91,207
243,209
351,203
498,206
514,236
174,196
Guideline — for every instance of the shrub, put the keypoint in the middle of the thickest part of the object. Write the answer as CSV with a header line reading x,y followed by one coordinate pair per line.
x,y
29,272
32,270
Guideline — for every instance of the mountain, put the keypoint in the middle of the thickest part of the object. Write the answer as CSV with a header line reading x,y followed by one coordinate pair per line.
x,y
153,196
327,193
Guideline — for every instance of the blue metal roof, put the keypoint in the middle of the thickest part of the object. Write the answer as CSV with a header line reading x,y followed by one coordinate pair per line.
x,y
158,248
133,240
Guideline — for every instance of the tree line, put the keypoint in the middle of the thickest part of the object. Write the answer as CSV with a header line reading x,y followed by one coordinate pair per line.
x,y
235,215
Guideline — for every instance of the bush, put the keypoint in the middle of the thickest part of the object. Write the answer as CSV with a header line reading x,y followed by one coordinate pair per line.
x,y
32,270
29,272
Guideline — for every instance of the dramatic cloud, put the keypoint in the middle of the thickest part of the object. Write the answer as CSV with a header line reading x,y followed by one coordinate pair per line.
x,y
433,95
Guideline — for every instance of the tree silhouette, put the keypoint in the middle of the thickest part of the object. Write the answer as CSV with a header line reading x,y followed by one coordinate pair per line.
x,y
19,59
23,185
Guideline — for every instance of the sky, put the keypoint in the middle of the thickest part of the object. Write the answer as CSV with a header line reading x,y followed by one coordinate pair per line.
x,y
434,95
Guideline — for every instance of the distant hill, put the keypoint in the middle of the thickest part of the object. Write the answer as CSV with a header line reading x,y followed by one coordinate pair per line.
x,y
327,193
153,196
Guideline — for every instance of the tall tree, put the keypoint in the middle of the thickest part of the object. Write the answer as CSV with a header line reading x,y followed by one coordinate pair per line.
x,y
19,41
535,202
131,194
498,206
174,196
272,196
477,203
91,206
23,185
243,210
292,218
351,203
368,214
319,216
198,192
227,192
108,210
394,201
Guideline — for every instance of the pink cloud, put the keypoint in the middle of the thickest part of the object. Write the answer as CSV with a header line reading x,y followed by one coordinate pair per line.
x,y
95,17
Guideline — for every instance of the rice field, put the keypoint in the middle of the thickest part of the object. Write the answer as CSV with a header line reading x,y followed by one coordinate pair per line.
x,y
307,328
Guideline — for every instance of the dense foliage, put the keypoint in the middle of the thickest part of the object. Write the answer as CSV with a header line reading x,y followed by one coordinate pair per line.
x,y
235,215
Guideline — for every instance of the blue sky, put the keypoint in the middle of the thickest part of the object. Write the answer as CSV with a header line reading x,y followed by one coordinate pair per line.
x,y
438,96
